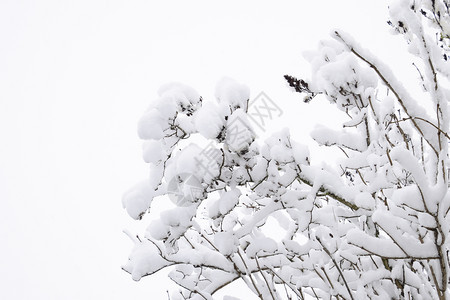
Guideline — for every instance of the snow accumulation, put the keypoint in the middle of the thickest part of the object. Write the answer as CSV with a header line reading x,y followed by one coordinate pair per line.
x,y
373,226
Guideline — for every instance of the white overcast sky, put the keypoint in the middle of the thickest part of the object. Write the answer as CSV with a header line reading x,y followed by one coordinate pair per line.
x,y
75,76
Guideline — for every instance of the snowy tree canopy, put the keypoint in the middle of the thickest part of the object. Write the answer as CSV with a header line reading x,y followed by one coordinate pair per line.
x,y
375,226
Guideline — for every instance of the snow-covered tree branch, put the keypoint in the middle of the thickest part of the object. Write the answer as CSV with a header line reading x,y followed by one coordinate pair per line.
x,y
375,226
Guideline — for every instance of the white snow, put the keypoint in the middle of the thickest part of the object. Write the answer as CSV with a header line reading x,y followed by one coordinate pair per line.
x,y
138,199
232,94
